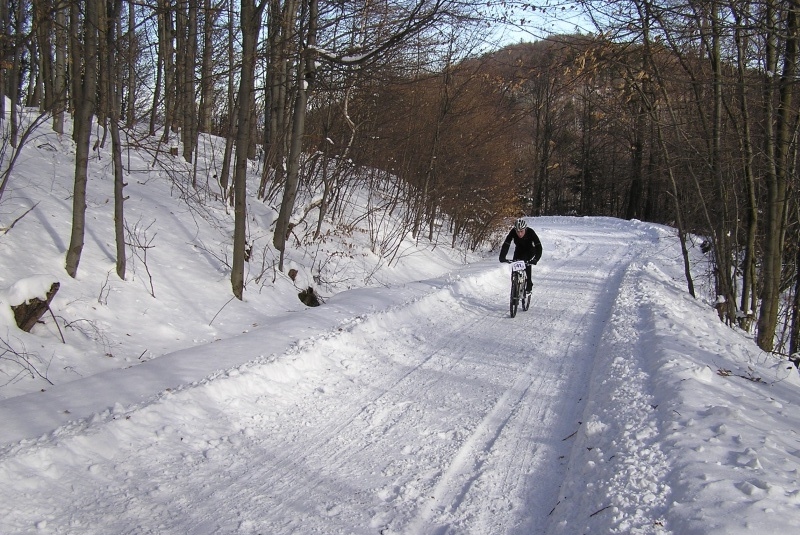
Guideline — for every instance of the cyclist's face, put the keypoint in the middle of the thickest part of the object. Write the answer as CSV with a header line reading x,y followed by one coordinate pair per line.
x,y
520,233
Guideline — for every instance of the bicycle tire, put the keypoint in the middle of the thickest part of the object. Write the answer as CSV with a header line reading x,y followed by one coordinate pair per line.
x,y
525,298
514,294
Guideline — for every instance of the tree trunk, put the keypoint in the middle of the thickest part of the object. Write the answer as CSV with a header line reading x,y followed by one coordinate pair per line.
x,y
166,45
60,104
43,25
159,66
5,31
27,314
113,101
745,141
207,69
656,122
281,29
85,103
306,75
794,336
233,107
188,55
722,250
16,67
130,112
775,213
678,211
634,209
250,24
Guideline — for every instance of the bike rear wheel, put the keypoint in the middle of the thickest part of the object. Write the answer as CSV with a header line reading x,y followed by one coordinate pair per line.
x,y
525,297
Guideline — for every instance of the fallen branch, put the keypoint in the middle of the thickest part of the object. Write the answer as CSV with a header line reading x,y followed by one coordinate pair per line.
x,y
220,310
22,359
573,434
63,341
5,230
600,511
728,373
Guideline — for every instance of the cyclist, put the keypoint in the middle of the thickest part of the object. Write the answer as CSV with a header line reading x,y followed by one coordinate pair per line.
x,y
526,247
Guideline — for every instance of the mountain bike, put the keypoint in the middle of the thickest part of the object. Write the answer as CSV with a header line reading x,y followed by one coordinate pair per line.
x,y
518,282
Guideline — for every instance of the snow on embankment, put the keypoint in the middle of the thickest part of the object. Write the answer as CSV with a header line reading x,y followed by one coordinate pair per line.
x,y
99,396
728,420
688,426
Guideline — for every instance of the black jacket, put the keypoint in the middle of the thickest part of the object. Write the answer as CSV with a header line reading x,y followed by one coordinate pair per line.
x,y
528,247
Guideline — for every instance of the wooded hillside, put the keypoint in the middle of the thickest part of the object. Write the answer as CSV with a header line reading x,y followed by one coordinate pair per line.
x,y
683,114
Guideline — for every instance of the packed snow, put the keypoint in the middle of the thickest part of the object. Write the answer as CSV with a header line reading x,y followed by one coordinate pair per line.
x,y
410,402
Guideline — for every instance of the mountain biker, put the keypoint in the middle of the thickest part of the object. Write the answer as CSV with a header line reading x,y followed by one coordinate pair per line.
x,y
526,247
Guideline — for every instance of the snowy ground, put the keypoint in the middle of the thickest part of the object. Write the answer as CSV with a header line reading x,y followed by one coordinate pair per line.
x,y
616,404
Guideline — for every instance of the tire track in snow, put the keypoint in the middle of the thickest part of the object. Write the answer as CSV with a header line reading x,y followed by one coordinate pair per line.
x,y
359,423
330,446
518,412
467,464
450,475
434,417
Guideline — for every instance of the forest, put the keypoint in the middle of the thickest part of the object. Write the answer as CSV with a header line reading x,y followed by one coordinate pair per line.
x,y
675,112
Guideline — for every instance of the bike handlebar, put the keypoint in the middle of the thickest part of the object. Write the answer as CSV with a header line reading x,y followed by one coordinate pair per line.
x,y
527,262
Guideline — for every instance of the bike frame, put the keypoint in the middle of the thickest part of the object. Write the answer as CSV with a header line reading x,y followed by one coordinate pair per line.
x,y
518,281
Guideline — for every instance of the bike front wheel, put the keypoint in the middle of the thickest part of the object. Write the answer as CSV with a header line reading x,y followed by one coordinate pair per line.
x,y
514,295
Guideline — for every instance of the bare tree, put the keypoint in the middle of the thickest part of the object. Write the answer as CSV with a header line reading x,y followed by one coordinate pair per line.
x,y
43,27
306,71
133,53
166,53
60,75
112,89
13,41
794,338
777,184
251,13
210,14
403,22
185,62
84,48
232,113
5,51
281,47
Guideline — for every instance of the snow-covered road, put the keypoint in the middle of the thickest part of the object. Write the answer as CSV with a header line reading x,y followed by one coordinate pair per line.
x,y
440,413
420,409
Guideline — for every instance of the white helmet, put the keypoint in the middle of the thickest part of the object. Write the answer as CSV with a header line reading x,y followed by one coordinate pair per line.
x,y
521,224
